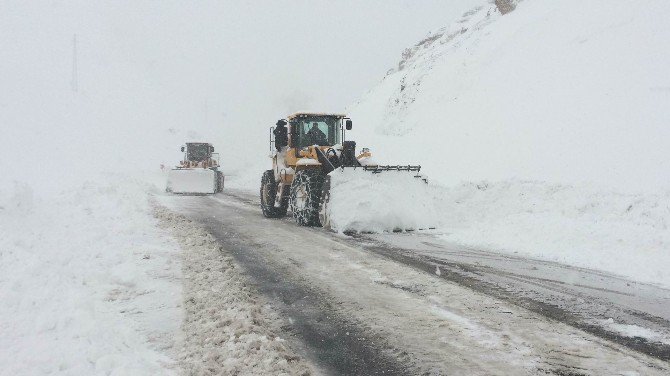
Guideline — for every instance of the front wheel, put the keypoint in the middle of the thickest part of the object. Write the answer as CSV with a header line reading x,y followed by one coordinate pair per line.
x,y
269,196
306,196
219,181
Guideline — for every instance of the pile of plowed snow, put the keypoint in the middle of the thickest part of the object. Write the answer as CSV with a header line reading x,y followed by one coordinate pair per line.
x,y
362,201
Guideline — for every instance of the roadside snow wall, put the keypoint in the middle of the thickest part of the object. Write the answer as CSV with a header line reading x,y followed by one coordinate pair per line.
x,y
361,201
626,234
581,225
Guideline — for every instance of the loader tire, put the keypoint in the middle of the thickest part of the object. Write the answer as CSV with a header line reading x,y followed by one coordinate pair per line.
x,y
306,196
268,195
219,181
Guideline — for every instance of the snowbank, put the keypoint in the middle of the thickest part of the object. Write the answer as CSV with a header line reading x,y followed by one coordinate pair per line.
x,y
88,284
91,283
626,234
387,201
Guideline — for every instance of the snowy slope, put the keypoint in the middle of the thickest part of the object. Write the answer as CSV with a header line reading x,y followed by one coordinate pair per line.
x,y
567,92
546,126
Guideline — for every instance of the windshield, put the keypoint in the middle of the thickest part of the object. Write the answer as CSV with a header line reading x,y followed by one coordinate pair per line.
x,y
319,130
197,152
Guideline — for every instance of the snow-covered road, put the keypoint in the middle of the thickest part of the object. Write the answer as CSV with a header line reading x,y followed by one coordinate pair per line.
x,y
412,304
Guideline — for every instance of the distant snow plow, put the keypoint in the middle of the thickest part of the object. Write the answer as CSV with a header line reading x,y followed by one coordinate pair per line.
x,y
321,179
198,173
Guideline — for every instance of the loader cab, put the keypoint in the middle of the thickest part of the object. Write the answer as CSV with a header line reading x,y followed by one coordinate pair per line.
x,y
198,151
316,129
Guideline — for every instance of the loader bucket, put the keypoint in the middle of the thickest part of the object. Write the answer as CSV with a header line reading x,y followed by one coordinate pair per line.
x,y
377,199
192,181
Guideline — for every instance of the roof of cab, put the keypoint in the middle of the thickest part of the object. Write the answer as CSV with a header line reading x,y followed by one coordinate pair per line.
x,y
302,114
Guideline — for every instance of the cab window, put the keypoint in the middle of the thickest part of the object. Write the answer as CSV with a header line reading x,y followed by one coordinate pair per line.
x,y
322,131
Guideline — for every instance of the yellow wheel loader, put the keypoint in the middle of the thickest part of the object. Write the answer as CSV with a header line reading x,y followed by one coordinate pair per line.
x,y
198,173
307,149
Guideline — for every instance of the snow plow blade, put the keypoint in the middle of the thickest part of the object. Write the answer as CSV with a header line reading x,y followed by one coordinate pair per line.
x,y
198,181
377,199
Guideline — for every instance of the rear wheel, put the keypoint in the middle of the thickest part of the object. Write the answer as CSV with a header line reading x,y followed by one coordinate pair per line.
x,y
269,195
306,196
219,181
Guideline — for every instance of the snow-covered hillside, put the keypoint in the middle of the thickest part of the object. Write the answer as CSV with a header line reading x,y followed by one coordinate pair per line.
x,y
569,91
547,127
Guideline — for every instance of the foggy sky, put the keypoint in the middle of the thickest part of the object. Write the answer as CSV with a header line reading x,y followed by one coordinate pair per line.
x,y
227,69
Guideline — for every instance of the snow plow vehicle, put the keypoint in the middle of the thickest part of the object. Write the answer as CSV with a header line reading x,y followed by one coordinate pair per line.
x,y
318,175
198,173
